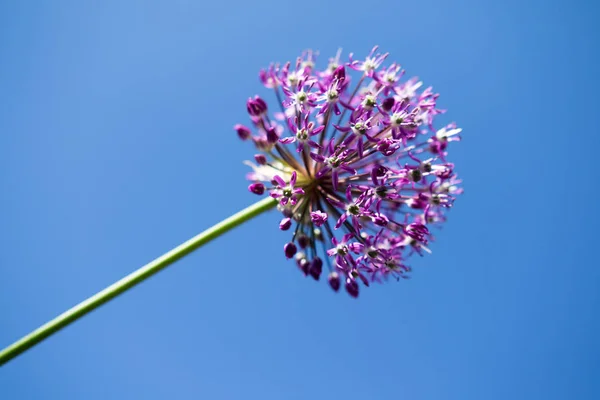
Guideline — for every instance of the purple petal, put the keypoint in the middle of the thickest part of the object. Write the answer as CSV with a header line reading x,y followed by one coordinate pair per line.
x,y
360,148
288,140
291,125
343,129
279,180
313,144
348,169
335,202
335,179
322,172
293,179
349,193
317,157
341,221
318,130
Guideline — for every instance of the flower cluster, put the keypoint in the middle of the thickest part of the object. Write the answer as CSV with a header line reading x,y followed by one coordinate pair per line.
x,y
358,169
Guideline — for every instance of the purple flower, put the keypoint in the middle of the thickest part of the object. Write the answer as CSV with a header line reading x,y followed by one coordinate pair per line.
x,y
286,191
417,232
333,162
256,106
318,217
269,77
361,166
371,63
303,132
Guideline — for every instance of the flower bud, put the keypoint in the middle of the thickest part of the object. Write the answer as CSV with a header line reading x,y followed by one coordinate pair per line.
x,y
260,159
303,241
290,249
303,264
257,188
256,106
380,220
272,136
318,217
334,281
352,287
242,131
316,267
387,104
285,224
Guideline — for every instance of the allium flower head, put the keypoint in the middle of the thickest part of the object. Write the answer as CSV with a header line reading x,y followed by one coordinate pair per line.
x,y
356,163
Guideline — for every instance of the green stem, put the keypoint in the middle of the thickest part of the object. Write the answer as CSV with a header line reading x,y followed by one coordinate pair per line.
x,y
133,279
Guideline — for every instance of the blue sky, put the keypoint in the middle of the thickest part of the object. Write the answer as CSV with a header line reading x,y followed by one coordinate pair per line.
x,y
116,144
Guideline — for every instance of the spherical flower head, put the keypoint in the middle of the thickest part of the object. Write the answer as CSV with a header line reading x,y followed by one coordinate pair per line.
x,y
361,173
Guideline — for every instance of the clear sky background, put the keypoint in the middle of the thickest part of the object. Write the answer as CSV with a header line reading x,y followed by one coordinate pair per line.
x,y
116,144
